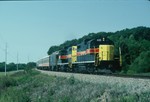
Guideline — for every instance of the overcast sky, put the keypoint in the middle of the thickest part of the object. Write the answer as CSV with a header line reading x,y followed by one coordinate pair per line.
x,y
31,27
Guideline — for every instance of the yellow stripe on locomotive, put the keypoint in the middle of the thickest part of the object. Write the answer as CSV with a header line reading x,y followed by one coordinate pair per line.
x,y
106,52
74,53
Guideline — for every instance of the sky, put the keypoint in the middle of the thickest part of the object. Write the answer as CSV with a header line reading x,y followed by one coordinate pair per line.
x,y
30,27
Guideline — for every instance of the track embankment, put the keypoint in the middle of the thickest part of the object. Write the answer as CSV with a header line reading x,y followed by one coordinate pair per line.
x,y
133,84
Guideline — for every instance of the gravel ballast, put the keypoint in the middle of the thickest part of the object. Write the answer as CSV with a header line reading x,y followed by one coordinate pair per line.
x,y
132,84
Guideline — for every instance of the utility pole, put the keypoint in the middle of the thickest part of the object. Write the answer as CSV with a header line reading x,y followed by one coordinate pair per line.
x,y
5,59
17,61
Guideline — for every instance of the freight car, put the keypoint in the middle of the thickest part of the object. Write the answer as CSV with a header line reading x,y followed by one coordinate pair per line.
x,y
91,55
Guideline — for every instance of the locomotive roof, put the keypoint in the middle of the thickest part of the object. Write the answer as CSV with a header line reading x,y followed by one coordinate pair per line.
x,y
102,40
56,52
43,58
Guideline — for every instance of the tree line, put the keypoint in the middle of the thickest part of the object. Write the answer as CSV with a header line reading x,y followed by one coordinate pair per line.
x,y
12,66
134,42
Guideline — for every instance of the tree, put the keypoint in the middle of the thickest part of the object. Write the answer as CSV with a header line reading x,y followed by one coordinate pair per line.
x,y
11,66
133,43
31,64
2,66
141,63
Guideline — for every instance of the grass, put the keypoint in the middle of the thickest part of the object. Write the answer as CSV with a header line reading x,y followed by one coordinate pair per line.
x,y
37,87
8,73
2,74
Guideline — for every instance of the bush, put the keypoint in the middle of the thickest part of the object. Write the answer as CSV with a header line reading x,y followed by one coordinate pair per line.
x,y
7,82
15,95
141,63
71,80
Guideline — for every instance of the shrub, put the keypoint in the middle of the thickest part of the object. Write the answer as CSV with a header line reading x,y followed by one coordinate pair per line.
x,y
141,63
7,82
71,80
15,95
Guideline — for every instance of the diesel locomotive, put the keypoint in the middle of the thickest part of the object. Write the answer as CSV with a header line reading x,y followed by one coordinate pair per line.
x,y
91,55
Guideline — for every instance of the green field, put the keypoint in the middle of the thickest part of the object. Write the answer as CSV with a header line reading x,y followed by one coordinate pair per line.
x,y
7,73
32,86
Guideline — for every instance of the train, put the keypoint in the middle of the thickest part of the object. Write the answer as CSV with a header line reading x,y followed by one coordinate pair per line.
x,y
90,56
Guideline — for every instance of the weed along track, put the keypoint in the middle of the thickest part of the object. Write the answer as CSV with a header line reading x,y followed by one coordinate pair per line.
x,y
36,86
134,84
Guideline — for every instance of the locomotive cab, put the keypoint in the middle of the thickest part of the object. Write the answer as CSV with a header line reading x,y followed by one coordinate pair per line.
x,y
103,51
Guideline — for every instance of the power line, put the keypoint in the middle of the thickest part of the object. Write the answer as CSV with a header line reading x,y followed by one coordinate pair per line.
x,y
2,42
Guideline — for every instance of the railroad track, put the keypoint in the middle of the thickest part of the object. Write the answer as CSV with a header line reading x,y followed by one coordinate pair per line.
x,y
135,76
134,84
138,76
